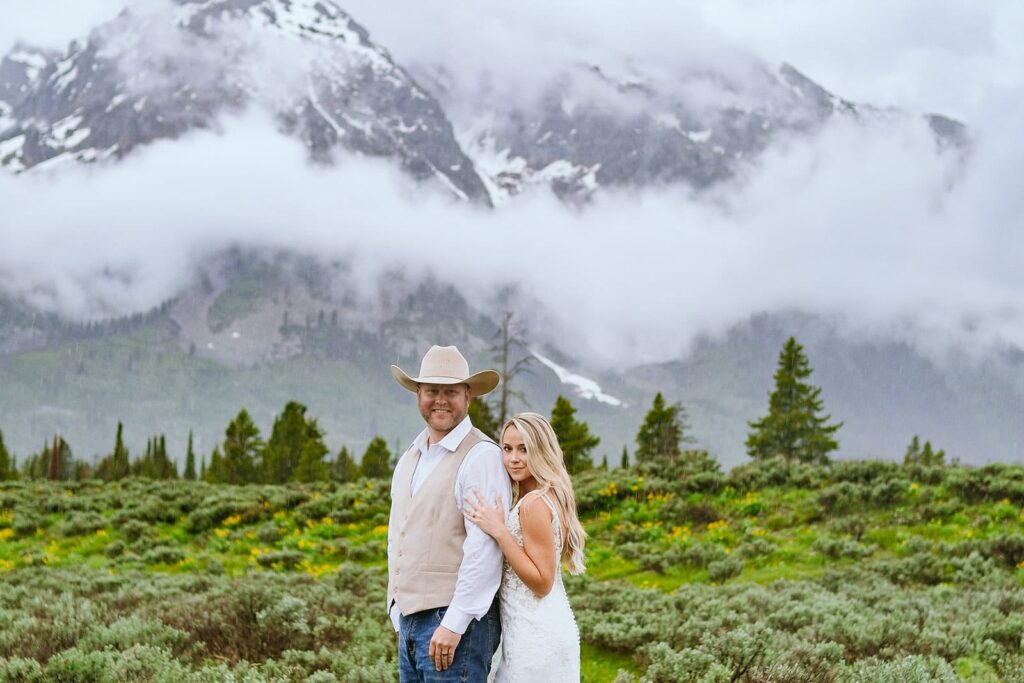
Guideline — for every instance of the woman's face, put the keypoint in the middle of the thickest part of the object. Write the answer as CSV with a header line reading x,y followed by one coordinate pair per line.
x,y
514,455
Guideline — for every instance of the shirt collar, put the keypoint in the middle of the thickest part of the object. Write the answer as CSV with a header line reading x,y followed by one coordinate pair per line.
x,y
451,440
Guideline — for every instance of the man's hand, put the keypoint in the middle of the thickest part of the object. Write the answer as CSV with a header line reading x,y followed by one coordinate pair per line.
x,y
442,647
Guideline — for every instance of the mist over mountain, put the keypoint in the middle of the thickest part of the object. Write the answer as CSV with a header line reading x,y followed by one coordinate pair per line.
x,y
242,202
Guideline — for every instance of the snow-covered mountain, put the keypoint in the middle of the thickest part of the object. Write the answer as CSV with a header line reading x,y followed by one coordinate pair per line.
x,y
139,78
589,130
145,77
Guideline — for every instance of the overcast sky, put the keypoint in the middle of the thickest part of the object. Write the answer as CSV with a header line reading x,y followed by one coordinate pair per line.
x,y
952,56
864,224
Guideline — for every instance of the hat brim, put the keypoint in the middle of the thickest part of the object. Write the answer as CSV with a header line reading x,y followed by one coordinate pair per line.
x,y
480,383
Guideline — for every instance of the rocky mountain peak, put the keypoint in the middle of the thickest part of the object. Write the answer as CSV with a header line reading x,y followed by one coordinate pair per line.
x,y
141,78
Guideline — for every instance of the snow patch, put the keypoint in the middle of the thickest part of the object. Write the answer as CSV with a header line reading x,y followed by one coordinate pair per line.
x,y
699,135
34,63
65,127
585,387
115,102
6,120
12,147
76,138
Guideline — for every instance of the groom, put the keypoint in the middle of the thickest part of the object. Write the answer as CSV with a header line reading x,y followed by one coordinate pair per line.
x,y
443,571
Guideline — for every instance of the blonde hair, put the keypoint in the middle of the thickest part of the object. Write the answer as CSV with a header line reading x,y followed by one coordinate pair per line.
x,y
546,463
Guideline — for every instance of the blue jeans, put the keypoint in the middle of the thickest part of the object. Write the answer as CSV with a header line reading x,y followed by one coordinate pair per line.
x,y
473,655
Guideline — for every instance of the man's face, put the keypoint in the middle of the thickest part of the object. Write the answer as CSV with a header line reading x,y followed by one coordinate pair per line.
x,y
443,406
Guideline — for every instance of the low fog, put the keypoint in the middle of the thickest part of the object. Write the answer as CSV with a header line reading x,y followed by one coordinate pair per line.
x,y
874,226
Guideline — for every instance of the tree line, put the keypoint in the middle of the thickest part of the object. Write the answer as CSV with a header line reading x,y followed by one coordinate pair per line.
x,y
794,428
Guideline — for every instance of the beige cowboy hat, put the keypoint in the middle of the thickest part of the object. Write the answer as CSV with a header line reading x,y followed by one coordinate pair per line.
x,y
445,365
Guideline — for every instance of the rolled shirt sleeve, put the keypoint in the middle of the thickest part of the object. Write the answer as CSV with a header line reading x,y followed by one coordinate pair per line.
x,y
480,572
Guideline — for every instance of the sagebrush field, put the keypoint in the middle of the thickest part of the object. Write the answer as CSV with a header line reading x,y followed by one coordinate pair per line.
x,y
775,572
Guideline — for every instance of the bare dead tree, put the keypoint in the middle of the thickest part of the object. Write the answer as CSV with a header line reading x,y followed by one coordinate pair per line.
x,y
510,342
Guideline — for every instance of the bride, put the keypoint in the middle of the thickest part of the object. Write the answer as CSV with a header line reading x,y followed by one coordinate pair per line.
x,y
540,640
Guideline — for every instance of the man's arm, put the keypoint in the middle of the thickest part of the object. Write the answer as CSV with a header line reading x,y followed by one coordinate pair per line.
x,y
480,571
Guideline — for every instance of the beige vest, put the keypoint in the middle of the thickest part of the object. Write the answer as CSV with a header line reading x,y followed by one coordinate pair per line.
x,y
427,532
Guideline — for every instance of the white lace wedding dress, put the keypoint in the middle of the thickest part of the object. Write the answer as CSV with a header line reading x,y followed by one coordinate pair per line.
x,y
540,642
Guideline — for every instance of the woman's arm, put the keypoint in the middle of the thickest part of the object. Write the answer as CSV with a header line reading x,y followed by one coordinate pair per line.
x,y
534,563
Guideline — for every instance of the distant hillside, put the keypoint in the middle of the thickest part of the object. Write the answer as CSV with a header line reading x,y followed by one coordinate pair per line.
x,y
258,330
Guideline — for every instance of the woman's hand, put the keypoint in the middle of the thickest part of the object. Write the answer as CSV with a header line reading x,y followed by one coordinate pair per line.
x,y
491,520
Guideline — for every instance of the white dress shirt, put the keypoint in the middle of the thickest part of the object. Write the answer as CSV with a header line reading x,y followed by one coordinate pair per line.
x,y
480,572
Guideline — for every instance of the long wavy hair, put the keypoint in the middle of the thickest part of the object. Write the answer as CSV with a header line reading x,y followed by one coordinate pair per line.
x,y
546,463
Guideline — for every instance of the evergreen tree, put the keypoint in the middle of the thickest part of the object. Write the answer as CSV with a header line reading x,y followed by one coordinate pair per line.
x,y
212,473
165,466
916,455
913,454
202,468
573,436
793,427
344,468
312,466
6,468
376,462
624,463
120,466
483,418
35,465
661,434
190,460
604,462
296,442
54,471
240,453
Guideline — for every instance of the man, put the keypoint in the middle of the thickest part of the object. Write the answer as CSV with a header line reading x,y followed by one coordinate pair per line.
x,y
443,571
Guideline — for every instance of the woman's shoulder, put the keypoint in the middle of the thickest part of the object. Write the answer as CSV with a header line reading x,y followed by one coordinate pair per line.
x,y
535,505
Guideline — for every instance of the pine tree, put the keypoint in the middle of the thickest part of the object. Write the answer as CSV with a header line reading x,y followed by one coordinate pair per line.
x,y
115,465
573,436
482,418
296,442
213,473
661,434
165,466
6,468
241,451
918,455
344,468
190,460
604,462
54,472
913,454
202,468
624,463
312,466
121,466
793,427
376,462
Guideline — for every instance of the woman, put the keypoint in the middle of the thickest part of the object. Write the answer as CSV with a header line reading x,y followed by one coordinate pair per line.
x,y
540,640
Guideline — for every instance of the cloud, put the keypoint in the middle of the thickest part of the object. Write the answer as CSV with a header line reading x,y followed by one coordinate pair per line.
x,y
869,224
920,55
53,23
858,222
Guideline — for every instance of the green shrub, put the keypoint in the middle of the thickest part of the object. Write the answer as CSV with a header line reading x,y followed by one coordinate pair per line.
x,y
81,523
725,569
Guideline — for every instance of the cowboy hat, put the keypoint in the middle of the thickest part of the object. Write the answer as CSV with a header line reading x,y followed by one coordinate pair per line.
x,y
445,365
